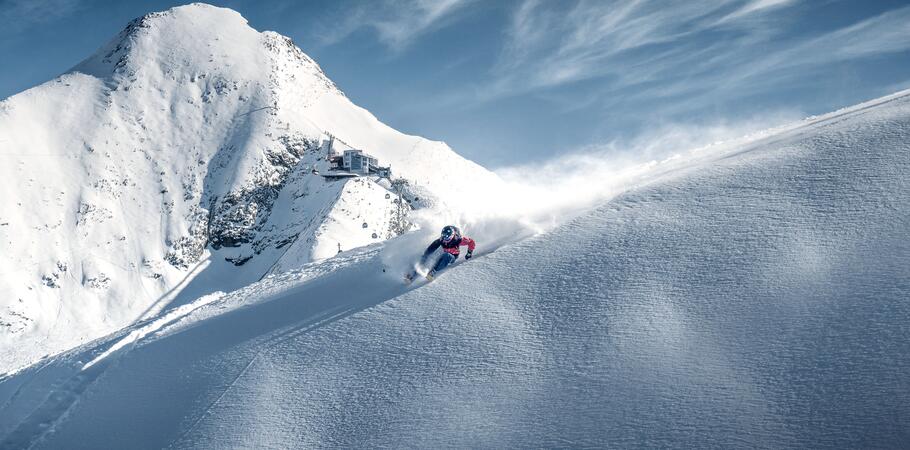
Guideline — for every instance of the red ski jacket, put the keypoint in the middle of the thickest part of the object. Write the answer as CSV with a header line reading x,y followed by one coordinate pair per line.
x,y
451,246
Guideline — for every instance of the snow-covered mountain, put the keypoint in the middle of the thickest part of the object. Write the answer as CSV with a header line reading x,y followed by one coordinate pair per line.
x,y
186,153
745,295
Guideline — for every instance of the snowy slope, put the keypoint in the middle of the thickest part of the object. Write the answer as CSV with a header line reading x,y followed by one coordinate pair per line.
x,y
185,147
750,296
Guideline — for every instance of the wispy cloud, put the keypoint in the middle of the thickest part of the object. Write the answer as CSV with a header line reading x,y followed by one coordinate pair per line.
x,y
673,51
886,33
595,38
750,71
18,15
755,7
397,23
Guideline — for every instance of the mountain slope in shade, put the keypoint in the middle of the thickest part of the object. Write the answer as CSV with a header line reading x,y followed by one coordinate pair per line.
x,y
182,157
754,297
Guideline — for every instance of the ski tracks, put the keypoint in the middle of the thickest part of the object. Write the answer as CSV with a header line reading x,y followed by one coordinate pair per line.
x,y
43,410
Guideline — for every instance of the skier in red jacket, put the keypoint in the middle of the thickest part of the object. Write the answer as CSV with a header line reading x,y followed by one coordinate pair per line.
x,y
450,240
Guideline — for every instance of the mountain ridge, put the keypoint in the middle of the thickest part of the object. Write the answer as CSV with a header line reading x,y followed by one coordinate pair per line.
x,y
190,144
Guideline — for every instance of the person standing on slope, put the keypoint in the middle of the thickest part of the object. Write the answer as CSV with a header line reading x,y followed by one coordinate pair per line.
x,y
450,240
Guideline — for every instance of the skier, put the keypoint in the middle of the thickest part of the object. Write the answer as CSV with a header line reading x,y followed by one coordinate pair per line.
x,y
450,240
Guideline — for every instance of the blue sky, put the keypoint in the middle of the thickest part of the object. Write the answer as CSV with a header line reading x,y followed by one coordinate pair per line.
x,y
513,81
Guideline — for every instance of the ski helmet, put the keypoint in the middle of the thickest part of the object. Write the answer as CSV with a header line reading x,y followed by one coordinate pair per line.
x,y
449,232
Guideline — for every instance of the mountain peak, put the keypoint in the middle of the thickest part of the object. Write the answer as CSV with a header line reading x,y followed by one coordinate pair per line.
x,y
198,37
192,15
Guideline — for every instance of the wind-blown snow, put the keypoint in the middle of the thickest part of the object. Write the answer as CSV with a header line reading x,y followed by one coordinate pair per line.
x,y
746,295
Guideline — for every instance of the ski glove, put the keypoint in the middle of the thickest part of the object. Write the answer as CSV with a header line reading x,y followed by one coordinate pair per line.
x,y
468,254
